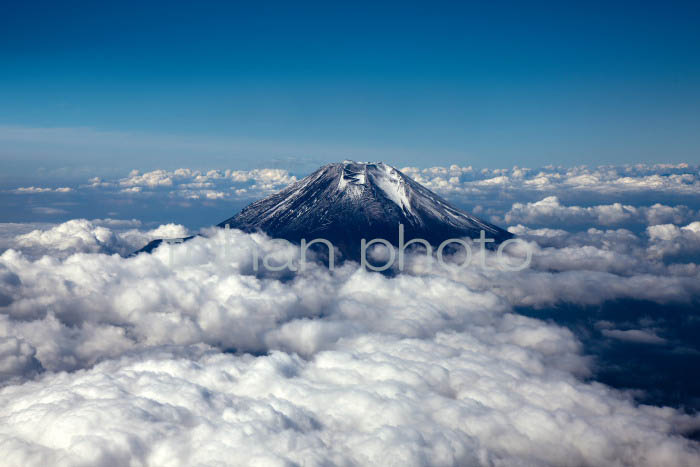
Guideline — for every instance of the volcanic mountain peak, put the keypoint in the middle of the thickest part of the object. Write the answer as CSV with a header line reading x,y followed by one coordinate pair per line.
x,y
345,202
356,177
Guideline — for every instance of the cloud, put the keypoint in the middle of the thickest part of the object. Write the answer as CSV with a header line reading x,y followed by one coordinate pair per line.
x,y
151,179
195,184
672,232
449,400
34,189
133,189
265,179
107,236
208,360
168,231
634,335
647,251
47,211
17,360
549,210
660,178
75,235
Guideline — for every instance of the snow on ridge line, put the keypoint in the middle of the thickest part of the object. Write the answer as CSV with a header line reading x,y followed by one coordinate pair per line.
x,y
397,188
387,178
394,188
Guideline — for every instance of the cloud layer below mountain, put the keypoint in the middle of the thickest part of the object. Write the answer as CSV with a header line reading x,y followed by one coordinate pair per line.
x,y
191,356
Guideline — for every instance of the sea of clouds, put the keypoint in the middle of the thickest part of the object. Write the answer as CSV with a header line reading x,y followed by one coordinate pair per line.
x,y
193,357
632,196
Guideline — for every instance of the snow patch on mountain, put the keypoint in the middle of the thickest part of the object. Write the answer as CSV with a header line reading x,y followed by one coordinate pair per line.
x,y
389,180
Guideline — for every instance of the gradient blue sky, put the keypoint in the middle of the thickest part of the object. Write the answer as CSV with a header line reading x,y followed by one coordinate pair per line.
x,y
99,86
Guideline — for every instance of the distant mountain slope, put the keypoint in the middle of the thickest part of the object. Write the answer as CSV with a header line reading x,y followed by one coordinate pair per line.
x,y
153,244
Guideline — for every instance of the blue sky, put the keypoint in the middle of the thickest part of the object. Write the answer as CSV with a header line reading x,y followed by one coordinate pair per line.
x,y
108,87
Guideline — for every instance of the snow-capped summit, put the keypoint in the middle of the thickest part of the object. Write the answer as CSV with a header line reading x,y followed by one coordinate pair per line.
x,y
346,202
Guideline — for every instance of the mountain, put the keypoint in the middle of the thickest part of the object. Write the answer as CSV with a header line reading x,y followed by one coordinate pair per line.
x,y
345,202
153,244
